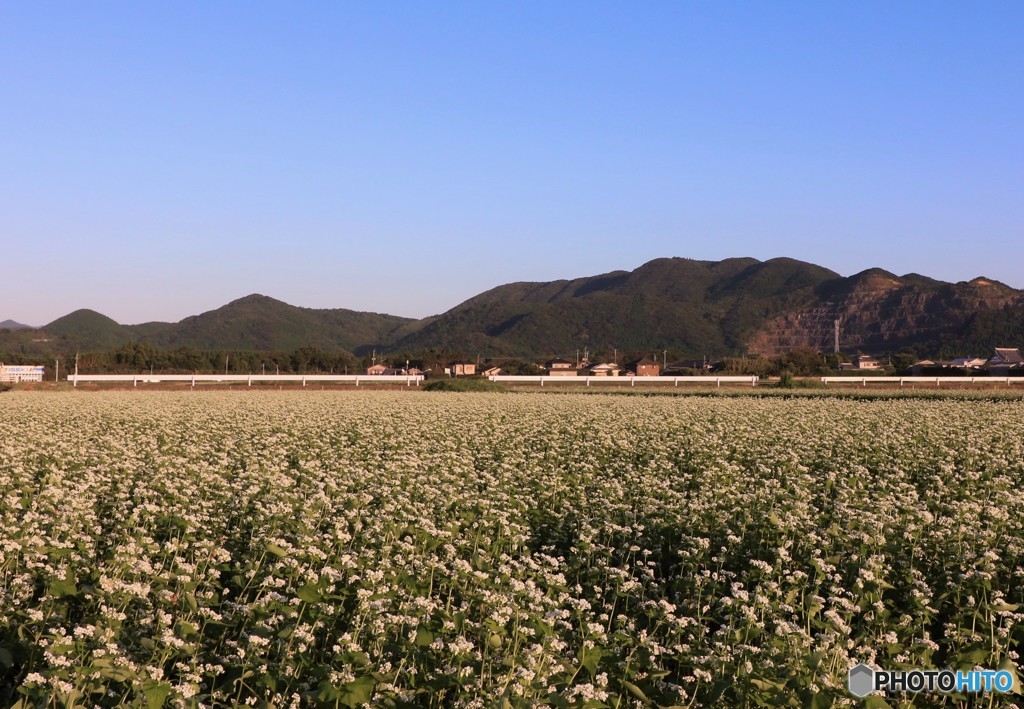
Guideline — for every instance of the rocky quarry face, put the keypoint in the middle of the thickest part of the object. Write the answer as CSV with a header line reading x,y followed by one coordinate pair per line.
x,y
878,312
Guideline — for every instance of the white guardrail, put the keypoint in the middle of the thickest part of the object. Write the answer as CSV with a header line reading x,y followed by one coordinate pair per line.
x,y
136,379
937,381
624,381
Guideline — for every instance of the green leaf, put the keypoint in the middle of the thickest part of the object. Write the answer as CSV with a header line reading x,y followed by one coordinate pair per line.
x,y
6,658
276,550
815,659
874,701
59,589
118,674
973,657
328,692
309,593
190,599
424,637
634,690
1008,665
1003,607
156,694
589,657
821,700
358,692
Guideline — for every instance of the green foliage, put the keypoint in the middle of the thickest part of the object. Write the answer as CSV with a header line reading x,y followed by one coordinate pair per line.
x,y
253,323
463,384
1003,327
759,366
788,381
88,326
689,306
143,357
804,363
517,367
260,323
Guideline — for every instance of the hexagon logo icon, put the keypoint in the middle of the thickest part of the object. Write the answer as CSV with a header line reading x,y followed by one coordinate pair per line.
x,y
862,680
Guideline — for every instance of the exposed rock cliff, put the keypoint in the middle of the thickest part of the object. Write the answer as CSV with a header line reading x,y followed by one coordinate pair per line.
x,y
878,311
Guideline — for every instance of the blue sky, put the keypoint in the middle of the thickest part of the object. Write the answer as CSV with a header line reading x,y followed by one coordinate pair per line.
x,y
160,159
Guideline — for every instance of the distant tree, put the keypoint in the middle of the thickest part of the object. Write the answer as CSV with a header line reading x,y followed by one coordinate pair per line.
x,y
517,367
802,362
759,366
311,359
902,361
188,359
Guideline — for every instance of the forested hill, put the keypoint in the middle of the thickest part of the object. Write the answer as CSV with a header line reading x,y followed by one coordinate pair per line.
x,y
682,304
255,323
716,308
733,306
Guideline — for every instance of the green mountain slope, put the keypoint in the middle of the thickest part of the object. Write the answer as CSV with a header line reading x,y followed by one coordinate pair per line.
x,y
257,322
694,306
87,328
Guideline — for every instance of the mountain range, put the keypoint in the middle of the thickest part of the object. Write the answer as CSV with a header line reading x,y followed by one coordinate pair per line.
x,y
734,306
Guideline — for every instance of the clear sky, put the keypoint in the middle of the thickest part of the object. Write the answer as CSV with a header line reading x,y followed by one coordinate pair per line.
x,y
160,159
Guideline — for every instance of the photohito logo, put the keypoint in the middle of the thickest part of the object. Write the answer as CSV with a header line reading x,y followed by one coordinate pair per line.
x,y
864,680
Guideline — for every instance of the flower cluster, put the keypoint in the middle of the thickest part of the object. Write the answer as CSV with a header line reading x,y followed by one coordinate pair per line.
x,y
387,549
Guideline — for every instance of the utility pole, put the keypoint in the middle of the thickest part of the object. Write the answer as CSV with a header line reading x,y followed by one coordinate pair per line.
x,y
226,358
836,344
56,370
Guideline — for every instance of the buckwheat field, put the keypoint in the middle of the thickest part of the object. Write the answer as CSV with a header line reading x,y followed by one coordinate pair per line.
x,y
399,549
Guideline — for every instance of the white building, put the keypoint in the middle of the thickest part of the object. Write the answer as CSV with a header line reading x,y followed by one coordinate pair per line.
x,y
865,362
21,373
607,369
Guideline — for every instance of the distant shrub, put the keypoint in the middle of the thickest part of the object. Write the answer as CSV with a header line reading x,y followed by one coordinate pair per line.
x,y
463,385
788,381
